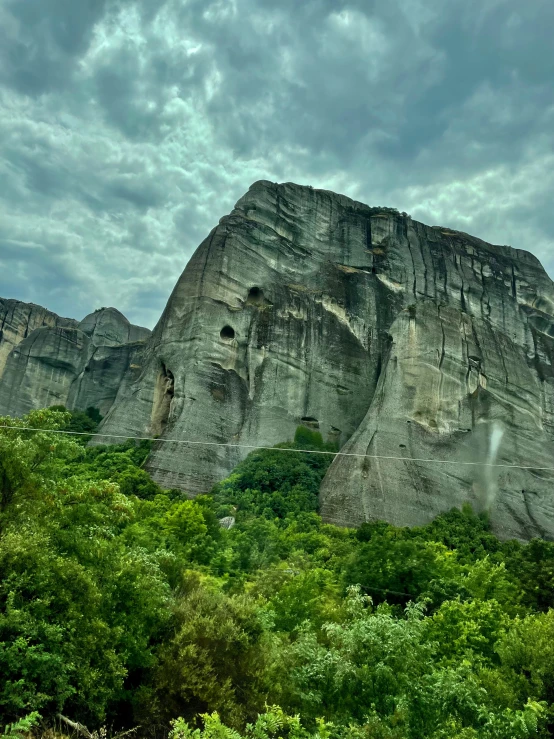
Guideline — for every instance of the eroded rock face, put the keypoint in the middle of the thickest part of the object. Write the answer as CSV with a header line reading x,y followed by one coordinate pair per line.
x,y
51,361
109,327
468,379
391,337
18,320
425,353
271,322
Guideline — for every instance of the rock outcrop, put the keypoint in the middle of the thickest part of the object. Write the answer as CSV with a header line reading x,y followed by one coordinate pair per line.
x,y
262,332
393,338
47,360
426,354
18,320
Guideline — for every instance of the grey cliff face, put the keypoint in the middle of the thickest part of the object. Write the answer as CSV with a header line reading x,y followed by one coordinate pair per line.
x,y
426,354
395,339
109,327
18,320
49,360
261,333
468,378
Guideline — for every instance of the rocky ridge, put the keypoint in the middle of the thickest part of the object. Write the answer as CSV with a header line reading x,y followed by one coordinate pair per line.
x,y
423,352
393,338
47,360
18,320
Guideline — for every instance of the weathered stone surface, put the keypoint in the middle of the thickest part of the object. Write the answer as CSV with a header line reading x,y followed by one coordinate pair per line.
x,y
270,323
18,319
424,352
51,360
109,327
40,370
107,368
469,367
117,347
394,338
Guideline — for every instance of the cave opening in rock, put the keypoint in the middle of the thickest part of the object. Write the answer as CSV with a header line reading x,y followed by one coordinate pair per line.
x,y
310,422
163,396
255,296
227,333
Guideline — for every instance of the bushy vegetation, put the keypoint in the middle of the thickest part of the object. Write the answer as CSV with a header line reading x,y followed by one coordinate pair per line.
x,y
123,604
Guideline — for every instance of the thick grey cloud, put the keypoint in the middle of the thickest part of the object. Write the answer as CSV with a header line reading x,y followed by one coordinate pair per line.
x,y
129,127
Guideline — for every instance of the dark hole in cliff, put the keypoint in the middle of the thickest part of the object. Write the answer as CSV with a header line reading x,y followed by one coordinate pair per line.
x,y
227,333
163,395
474,358
255,296
310,421
402,446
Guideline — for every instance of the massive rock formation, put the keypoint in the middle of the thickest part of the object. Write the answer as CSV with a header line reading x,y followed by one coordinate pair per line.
x,y
393,338
47,360
18,320
425,353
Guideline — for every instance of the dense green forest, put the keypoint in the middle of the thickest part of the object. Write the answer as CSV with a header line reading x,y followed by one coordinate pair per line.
x,y
123,605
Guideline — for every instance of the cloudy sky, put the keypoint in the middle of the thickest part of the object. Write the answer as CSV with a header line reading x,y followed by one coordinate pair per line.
x,y
129,127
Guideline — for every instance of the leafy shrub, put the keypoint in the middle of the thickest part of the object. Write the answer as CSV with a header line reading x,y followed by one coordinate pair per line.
x,y
215,660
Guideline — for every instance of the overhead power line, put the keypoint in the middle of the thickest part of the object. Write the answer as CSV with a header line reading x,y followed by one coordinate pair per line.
x,y
253,447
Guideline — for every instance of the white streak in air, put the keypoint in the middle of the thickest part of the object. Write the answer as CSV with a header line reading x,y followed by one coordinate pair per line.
x,y
490,475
